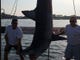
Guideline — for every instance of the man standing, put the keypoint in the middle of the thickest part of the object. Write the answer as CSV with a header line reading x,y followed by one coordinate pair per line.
x,y
72,31
13,35
73,39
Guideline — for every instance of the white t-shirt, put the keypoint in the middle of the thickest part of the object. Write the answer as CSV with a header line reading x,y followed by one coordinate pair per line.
x,y
13,34
73,34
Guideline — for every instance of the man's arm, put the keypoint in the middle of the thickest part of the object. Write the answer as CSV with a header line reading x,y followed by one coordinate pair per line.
x,y
6,39
18,41
18,44
19,36
6,35
61,31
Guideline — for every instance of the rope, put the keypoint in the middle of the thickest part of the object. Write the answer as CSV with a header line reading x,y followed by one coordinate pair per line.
x,y
14,6
74,8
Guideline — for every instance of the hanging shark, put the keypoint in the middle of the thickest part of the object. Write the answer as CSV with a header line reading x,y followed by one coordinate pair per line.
x,y
43,34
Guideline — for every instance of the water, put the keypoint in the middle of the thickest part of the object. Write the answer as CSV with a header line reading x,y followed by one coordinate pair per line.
x,y
57,48
31,23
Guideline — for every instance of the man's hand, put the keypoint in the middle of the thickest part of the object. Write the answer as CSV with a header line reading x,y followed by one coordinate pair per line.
x,y
59,31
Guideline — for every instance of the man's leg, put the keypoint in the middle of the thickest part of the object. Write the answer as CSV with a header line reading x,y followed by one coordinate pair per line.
x,y
68,52
6,51
32,57
18,50
76,51
21,57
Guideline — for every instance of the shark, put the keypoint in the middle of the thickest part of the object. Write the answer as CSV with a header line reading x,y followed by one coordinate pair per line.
x,y
43,34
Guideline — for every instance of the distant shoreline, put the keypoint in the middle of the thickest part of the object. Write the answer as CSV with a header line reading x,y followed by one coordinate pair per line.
x,y
56,17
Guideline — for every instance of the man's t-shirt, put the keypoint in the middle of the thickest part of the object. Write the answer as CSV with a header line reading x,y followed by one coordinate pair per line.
x,y
13,34
73,34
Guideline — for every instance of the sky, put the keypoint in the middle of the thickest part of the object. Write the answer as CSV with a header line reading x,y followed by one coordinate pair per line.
x,y
59,7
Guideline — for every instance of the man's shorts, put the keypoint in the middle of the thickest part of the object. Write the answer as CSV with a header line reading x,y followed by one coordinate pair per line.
x,y
8,48
73,51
